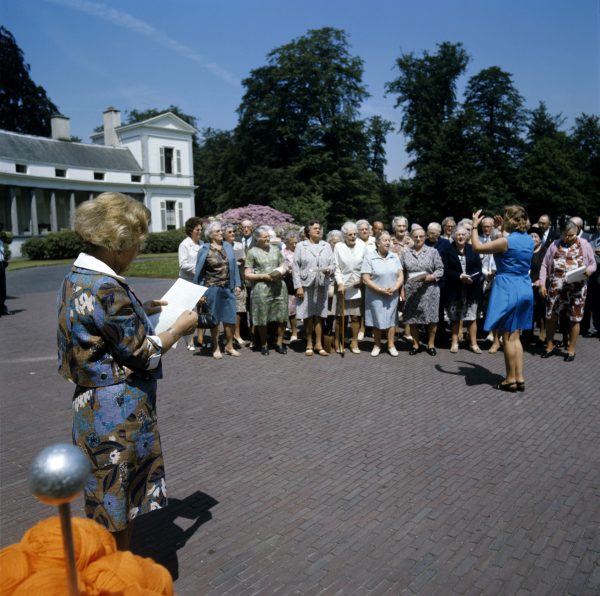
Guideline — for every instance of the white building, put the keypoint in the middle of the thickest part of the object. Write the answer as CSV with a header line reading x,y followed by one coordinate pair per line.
x,y
43,180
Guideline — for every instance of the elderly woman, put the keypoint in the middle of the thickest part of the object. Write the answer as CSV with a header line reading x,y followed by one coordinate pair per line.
x,y
107,347
562,295
382,276
240,299
312,271
217,269
400,232
423,269
265,268
511,300
349,256
188,255
290,240
463,287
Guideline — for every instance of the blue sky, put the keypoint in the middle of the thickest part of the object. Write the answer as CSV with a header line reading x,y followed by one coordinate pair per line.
x,y
89,55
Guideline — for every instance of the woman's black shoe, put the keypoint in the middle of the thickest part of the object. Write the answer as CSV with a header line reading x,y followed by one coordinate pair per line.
x,y
414,351
264,351
552,352
521,386
281,349
510,387
569,357
431,351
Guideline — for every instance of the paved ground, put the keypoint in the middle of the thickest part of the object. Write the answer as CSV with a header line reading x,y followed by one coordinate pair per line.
x,y
338,476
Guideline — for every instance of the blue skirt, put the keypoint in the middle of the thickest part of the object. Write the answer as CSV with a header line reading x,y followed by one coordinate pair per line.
x,y
511,304
221,304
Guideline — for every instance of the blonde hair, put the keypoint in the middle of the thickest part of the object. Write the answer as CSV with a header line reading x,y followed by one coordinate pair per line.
x,y
113,221
515,218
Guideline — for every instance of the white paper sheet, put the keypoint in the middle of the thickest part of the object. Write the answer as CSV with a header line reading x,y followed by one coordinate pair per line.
x,y
575,275
182,295
417,275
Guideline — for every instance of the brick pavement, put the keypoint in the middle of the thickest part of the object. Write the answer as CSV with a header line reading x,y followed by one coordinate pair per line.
x,y
359,475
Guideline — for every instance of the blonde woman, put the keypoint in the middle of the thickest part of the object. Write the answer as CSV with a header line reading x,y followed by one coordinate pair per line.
x,y
108,348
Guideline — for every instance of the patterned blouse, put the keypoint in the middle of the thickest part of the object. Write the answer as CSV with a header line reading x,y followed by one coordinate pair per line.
x,y
103,335
217,268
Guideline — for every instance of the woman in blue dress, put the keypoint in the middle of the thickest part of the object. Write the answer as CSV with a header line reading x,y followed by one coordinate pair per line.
x,y
510,307
383,277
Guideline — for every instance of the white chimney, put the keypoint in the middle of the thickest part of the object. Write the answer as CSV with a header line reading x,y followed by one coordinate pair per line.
x,y
61,129
111,121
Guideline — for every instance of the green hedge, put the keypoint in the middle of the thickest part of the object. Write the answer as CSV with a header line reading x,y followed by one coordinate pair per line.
x,y
160,242
67,245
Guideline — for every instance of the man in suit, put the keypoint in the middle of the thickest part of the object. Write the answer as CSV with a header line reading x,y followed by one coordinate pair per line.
x,y
487,227
550,234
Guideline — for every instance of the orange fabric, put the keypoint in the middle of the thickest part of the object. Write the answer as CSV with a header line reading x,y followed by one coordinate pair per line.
x,y
37,564
44,542
14,568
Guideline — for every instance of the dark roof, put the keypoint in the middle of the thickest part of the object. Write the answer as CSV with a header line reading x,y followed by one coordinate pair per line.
x,y
30,150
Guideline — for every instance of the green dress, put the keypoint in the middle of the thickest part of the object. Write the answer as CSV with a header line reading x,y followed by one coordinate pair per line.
x,y
268,300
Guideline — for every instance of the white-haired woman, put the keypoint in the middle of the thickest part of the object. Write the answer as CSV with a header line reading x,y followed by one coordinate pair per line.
x,y
423,269
265,268
349,256
108,348
217,269
382,275
312,271
290,240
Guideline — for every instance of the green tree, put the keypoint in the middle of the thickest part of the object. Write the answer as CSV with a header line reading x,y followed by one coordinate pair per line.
x,y
299,138
495,121
586,138
24,106
431,121
426,91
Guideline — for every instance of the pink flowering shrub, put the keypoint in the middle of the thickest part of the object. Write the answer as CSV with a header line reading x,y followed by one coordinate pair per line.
x,y
259,214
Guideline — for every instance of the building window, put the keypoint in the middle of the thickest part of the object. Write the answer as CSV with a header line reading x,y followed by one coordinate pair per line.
x,y
168,215
136,178
21,168
170,160
98,175
59,173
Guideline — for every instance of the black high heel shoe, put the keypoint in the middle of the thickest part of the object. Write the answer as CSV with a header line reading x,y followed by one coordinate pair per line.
x,y
521,386
280,349
510,387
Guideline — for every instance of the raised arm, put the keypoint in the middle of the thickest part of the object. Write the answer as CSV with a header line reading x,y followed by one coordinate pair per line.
x,y
493,247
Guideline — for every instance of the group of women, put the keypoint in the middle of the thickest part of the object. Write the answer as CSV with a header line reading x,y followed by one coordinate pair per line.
x,y
109,349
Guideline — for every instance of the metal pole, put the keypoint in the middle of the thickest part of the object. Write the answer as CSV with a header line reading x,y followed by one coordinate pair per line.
x,y
64,511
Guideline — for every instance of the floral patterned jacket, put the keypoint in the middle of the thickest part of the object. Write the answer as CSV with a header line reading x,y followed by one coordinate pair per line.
x,y
104,335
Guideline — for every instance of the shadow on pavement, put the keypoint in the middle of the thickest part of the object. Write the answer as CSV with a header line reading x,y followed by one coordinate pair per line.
x,y
474,374
158,536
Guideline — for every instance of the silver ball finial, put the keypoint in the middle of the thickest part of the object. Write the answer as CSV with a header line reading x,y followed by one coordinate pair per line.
x,y
58,474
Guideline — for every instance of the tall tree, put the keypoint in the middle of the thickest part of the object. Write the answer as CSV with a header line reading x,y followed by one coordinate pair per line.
x,y
299,137
496,119
431,121
426,92
586,138
24,106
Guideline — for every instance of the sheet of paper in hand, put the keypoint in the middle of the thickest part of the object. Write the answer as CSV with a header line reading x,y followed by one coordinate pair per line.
x,y
182,295
575,275
417,275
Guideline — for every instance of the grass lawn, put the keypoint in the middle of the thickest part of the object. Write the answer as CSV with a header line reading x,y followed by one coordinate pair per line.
x,y
163,265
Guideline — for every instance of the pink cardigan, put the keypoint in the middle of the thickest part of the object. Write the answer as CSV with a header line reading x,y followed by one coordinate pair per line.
x,y
548,264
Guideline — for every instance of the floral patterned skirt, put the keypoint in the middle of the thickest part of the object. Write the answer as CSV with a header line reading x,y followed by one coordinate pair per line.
x,y
116,429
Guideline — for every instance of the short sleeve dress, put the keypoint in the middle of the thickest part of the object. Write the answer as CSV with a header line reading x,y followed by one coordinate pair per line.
x,y
268,300
381,311
511,299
